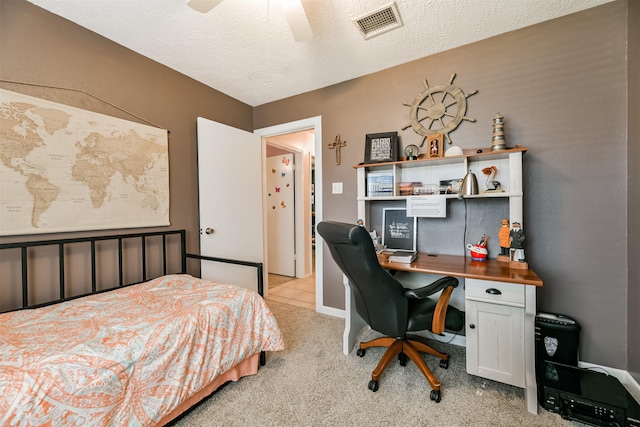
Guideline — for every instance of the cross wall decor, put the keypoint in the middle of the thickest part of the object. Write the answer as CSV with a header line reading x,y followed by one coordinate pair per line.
x,y
337,144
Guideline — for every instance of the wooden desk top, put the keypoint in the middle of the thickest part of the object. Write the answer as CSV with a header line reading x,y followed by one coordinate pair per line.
x,y
459,266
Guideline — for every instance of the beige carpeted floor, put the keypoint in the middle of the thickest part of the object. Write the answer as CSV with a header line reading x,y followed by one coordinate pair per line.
x,y
311,383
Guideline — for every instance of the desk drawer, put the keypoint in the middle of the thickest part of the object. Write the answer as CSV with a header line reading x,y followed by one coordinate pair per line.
x,y
496,292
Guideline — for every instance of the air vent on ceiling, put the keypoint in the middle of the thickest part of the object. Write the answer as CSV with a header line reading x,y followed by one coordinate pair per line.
x,y
379,21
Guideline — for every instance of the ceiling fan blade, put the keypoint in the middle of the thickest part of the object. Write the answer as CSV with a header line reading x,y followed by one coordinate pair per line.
x,y
203,6
297,19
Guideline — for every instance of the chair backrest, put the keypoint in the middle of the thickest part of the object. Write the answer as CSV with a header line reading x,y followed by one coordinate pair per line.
x,y
379,297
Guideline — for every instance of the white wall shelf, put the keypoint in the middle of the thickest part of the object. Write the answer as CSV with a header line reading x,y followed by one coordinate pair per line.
x,y
432,171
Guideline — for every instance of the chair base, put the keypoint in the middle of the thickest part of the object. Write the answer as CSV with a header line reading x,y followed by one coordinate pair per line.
x,y
409,347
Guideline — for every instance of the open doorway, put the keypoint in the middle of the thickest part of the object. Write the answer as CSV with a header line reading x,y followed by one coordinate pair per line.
x,y
289,181
309,264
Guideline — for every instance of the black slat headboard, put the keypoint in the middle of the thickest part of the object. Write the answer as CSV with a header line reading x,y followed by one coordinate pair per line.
x,y
143,239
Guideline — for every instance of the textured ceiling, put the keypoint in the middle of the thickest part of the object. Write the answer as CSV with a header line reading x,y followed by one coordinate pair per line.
x,y
245,49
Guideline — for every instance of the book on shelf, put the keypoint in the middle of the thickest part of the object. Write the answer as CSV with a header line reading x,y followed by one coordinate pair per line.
x,y
403,257
379,184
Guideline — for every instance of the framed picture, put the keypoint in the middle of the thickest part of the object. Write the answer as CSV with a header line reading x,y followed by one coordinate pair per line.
x,y
398,230
435,146
381,147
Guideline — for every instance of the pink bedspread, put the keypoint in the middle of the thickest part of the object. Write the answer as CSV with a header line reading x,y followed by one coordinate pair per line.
x,y
127,357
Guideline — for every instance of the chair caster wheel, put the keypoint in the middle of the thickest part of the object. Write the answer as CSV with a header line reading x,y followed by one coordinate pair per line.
x,y
435,395
403,359
444,364
373,385
361,352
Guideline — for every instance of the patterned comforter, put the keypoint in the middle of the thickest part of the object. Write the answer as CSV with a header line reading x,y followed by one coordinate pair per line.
x,y
127,357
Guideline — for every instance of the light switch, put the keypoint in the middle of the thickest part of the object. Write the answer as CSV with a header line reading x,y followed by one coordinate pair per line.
x,y
336,188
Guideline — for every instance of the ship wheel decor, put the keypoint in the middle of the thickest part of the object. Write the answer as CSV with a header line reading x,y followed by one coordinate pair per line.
x,y
438,110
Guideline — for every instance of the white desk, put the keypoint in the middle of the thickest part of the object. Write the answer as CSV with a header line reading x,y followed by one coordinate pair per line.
x,y
494,274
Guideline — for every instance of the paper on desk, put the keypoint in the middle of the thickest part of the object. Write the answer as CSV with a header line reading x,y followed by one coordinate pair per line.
x,y
430,206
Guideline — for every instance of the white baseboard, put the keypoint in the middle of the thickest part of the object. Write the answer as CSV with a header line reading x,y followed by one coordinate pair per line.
x,y
624,377
330,311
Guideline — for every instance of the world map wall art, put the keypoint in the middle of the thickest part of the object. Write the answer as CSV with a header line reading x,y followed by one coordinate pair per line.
x,y
66,169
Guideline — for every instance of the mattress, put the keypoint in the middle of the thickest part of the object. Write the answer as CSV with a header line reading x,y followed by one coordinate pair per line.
x,y
129,356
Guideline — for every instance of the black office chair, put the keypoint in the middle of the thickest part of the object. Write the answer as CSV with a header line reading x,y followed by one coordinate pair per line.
x,y
388,307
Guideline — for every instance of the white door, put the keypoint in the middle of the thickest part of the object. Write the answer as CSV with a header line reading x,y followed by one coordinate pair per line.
x,y
230,195
280,214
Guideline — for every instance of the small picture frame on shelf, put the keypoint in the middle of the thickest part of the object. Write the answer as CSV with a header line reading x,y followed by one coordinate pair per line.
x,y
381,147
435,146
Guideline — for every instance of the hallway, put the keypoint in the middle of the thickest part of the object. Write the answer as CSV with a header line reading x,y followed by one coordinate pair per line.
x,y
299,292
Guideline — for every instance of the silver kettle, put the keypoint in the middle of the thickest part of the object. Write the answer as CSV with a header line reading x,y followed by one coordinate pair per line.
x,y
469,184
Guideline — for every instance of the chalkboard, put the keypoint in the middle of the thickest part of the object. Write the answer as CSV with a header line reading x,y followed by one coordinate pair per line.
x,y
398,230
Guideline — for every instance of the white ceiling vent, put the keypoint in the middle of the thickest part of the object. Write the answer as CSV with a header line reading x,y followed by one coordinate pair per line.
x,y
379,21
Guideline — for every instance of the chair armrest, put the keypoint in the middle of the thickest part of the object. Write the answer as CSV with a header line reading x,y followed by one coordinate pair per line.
x,y
440,312
437,286
444,284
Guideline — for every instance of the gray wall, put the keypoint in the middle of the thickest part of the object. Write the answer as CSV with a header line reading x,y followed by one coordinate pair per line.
x,y
562,86
633,253
565,87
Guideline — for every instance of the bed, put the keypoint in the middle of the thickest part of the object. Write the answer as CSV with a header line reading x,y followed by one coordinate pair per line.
x,y
139,354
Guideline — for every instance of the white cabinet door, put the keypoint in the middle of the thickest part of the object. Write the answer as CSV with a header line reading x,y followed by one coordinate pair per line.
x,y
495,344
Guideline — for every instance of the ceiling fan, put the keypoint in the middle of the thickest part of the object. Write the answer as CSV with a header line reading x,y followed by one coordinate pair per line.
x,y
293,11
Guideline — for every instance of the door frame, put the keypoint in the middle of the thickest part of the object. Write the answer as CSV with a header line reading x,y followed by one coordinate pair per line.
x,y
314,123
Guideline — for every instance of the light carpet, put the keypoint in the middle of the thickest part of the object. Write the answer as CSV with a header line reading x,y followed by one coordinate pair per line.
x,y
311,383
